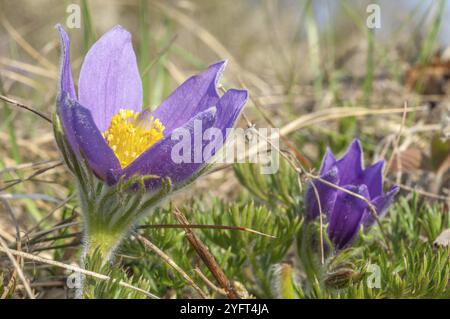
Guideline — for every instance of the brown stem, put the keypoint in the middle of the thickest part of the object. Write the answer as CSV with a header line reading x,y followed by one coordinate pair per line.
x,y
206,257
23,106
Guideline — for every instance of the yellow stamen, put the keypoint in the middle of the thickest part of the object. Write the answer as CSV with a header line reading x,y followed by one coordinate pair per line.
x,y
128,138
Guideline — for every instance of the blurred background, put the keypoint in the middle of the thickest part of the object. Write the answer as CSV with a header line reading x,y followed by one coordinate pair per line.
x,y
315,69
294,56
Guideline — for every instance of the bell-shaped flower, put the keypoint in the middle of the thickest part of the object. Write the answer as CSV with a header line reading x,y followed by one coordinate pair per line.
x,y
105,124
344,212
103,131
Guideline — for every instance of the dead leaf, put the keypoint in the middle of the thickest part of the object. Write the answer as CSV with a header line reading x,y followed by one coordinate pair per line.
x,y
408,160
431,78
443,240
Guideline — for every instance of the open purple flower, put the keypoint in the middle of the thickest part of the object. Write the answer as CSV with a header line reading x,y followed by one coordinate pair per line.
x,y
106,125
344,212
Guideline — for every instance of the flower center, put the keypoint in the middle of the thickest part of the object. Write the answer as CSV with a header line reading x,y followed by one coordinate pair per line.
x,y
128,137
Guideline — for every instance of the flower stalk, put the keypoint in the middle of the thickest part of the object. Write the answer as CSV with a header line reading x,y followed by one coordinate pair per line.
x,y
122,155
110,212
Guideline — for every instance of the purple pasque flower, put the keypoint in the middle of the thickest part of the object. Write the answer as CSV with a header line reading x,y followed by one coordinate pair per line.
x,y
344,212
106,125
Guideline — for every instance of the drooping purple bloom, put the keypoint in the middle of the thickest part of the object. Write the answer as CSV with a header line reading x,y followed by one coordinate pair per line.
x,y
110,93
344,212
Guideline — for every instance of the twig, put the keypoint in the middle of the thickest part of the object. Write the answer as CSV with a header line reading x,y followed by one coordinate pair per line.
x,y
64,236
160,54
69,245
60,205
340,112
57,227
302,159
6,236
12,280
13,218
206,257
10,285
38,172
194,226
9,253
395,152
322,249
147,243
209,283
38,236
323,116
75,269
26,165
46,284
422,192
23,106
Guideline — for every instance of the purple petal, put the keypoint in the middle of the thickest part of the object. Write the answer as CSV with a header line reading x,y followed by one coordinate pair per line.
x,y
158,160
195,95
327,162
327,195
66,80
381,204
109,78
346,218
79,127
229,107
66,86
373,178
350,165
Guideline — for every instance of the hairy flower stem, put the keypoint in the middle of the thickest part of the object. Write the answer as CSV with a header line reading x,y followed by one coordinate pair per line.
x,y
99,245
100,237
307,251
102,243
109,212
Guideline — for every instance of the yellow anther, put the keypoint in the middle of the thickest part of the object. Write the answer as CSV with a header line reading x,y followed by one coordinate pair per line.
x,y
128,139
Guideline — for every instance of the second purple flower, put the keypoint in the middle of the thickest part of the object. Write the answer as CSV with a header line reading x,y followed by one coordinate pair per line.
x,y
345,213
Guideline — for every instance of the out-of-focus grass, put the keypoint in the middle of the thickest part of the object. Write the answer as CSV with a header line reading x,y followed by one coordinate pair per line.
x,y
144,52
294,62
429,45
313,47
88,28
